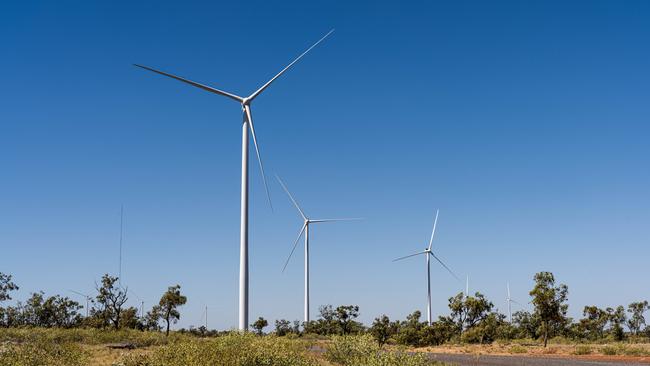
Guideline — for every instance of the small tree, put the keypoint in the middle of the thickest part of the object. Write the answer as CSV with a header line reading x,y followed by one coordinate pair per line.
x,y
526,324
130,318
409,330
111,297
467,311
169,303
260,324
6,286
594,321
549,301
637,320
345,315
382,330
150,321
282,327
616,320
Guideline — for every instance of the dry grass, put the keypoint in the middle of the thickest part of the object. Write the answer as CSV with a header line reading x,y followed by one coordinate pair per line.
x,y
620,350
103,356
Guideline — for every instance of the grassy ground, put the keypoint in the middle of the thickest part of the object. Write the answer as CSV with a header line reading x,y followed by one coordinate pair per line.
x,y
79,347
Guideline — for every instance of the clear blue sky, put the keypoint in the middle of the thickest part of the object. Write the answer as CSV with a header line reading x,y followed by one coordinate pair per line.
x,y
525,123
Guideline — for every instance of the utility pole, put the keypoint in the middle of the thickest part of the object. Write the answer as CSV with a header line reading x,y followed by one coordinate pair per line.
x,y
119,276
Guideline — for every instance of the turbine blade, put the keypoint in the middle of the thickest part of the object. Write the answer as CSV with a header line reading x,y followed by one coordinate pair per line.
x,y
331,220
516,302
408,256
435,222
295,244
444,265
260,90
79,293
295,203
247,109
198,85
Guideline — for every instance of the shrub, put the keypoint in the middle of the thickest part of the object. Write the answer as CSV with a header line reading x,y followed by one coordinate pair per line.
x,y
582,350
609,350
86,336
634,351
362,350
43,353
518,349
234,349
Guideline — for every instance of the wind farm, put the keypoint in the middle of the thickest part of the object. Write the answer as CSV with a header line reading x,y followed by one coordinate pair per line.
x,y
515,133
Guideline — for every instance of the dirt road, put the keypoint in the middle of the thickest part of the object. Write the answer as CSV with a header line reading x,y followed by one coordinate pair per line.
x,y
491,360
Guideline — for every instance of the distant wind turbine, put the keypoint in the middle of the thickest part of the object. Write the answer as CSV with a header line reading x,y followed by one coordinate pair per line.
x,y
428,253
467,286
305,228
139,299
87,297
247,125
510,301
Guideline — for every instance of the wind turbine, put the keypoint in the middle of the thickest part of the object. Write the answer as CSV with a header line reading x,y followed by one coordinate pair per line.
x,y
247,125
467,286
509,300
305,228
428,253
85,296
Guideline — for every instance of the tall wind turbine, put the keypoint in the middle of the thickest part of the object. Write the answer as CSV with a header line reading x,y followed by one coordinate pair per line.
x,y
428,253
247,125
467,286
305,228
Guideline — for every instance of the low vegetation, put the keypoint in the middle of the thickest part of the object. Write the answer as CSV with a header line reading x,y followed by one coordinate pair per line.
x,y
233,349
42,352
363,350
52,330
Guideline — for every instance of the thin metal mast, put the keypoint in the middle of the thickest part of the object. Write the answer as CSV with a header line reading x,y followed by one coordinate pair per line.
x,y
119,278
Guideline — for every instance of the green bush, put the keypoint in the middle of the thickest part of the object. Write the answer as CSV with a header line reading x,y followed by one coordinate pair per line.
x,y
518,349
634,351
87,336
42,353
230,350
609,350
362,350
582,350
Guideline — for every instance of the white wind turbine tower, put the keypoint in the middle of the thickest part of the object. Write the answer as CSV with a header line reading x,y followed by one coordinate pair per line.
x,y
509,300
247,125
428,253
305,228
